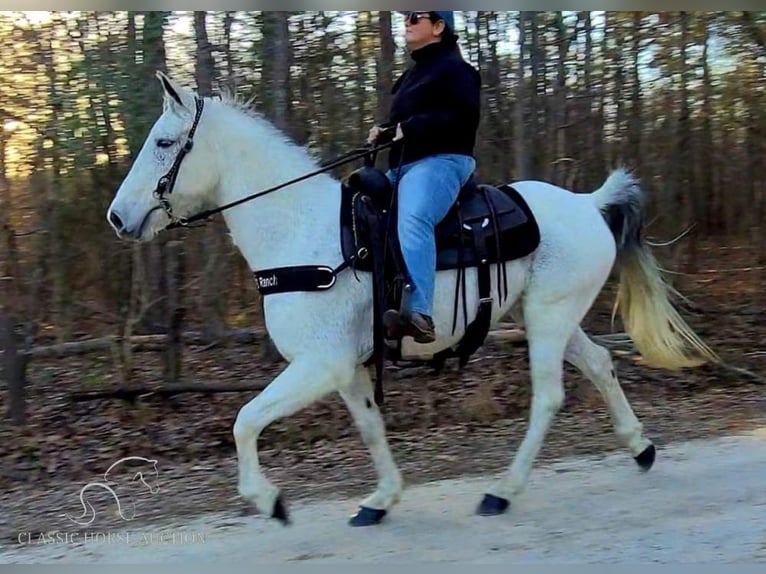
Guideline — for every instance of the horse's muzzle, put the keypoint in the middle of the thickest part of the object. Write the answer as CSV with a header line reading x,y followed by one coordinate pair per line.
x,y
116,222
125,230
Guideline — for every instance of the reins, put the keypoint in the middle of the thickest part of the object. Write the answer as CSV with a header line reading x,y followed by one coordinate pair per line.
x,y
167,182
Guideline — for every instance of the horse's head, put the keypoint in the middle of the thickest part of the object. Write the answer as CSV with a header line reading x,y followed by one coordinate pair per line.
x,y
135,469
149,477
185,177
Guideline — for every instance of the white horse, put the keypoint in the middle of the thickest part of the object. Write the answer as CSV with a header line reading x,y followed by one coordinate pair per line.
x,y
326,336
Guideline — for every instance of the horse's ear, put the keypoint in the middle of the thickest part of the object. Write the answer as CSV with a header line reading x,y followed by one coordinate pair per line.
x,y
175,94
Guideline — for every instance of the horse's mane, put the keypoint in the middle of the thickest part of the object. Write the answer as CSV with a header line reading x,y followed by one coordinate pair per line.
x,y
230,99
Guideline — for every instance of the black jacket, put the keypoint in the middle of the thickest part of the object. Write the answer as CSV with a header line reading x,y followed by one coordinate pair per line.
x,y
438,102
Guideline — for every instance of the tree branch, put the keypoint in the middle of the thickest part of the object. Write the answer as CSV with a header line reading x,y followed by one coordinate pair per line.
x,y
139,343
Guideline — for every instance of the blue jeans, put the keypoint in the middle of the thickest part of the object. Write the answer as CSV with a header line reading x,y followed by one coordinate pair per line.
x,y
428,189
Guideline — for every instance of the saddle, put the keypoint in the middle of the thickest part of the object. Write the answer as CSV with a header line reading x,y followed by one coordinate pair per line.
x,y
486,225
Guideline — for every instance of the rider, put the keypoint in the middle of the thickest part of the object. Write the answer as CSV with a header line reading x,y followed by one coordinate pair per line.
x,y
435,113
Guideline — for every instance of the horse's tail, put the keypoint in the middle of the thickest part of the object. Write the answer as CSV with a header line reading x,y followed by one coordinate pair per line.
x,y
659,333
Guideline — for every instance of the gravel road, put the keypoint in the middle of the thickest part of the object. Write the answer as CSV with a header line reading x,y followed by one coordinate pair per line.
x,y
704,501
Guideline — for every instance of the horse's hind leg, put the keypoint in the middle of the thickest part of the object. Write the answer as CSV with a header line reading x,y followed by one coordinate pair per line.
x,y
359,398
549,327
595,362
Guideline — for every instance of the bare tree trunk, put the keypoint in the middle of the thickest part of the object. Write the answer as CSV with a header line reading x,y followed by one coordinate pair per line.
x,y
496,147
175,310
123,353
52,247
561,162
618,59
10,274
523,151
13,370
228,23
685,182
133,105
360,96
276,95
330,105
600,154
153,293
592,137
385,65
205,64
13,365
634,121
535,102
713,207
212,246
755,153
276,64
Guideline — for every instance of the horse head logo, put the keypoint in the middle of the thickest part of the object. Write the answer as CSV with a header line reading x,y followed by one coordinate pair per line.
x,y
140,474
139,470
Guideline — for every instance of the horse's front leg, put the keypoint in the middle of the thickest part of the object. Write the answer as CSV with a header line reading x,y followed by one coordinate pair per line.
x,y
306,380
359,398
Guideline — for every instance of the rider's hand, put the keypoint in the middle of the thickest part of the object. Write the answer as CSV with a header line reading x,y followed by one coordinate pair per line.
x,y
377,131
374,134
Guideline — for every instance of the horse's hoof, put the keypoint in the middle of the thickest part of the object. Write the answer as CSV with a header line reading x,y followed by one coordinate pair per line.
x,y
492,506
645,460
280,511
367,517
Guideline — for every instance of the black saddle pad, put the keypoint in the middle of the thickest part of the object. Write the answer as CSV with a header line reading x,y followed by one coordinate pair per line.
x,y
509,229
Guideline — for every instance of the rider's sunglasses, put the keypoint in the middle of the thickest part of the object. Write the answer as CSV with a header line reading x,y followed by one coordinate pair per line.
x,y
415,17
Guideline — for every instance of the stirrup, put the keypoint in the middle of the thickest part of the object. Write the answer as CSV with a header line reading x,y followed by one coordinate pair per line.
x,y
395,320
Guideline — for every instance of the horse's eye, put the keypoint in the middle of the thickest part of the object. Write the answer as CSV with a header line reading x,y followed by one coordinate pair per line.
x,y
164,144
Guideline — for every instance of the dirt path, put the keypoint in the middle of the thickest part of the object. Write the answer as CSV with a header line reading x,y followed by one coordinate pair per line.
x,y
705,501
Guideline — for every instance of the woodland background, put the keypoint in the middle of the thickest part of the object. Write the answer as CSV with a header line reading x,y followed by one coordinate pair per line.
x,y
679,97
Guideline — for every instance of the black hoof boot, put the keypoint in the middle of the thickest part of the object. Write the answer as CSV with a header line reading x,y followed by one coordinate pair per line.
x,y
280,511
492,506
645,460
367,517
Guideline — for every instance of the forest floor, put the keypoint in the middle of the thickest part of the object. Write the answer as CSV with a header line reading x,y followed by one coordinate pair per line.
x,y
455,424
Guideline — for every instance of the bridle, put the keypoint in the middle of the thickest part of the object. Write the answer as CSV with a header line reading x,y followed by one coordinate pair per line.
x,y
167,182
